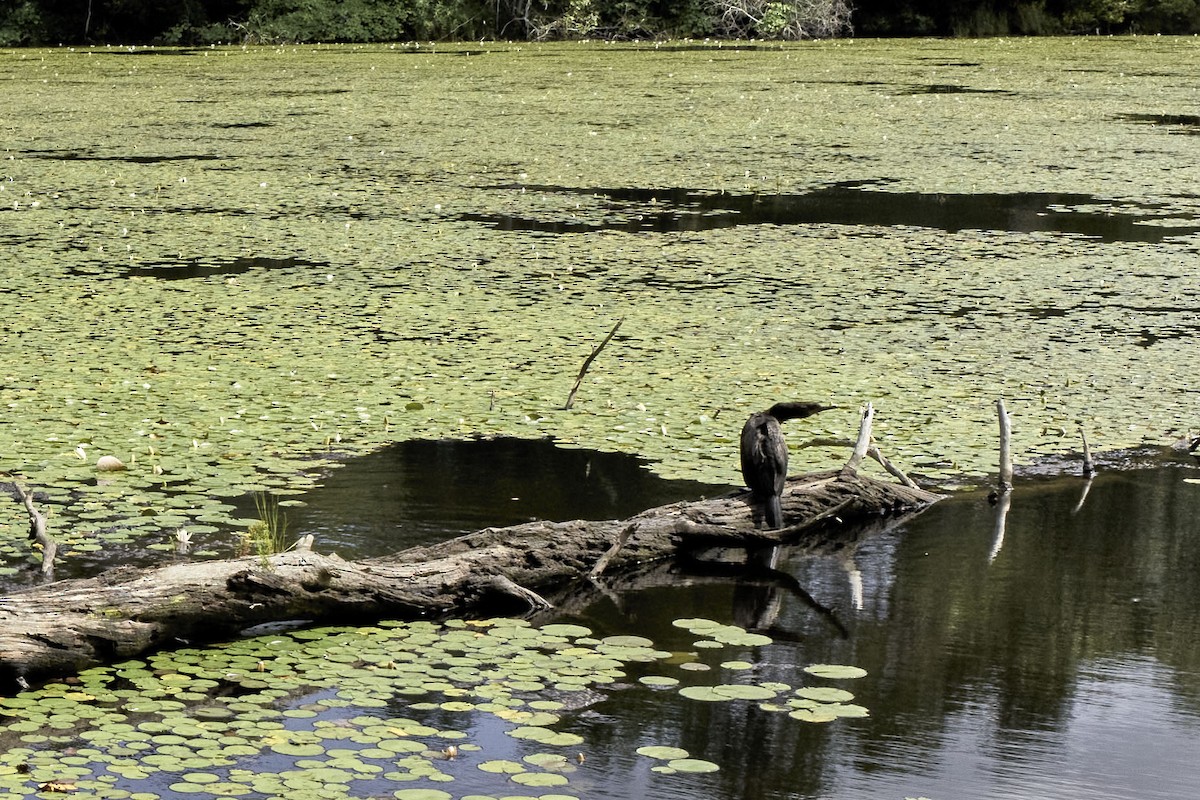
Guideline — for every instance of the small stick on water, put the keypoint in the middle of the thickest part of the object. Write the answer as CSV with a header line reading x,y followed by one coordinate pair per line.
x,y
587,363
1089,467
1006,468
37,531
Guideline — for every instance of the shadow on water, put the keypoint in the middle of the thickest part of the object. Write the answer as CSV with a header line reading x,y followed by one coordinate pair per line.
x,y
82,155
1178,123
951,88
682,209
422,492
192,268
204,267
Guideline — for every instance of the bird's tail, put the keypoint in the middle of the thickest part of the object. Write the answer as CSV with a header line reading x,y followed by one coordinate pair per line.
x,y
774,512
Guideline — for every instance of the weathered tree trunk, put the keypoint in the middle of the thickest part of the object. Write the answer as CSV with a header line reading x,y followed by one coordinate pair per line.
x,y
62,627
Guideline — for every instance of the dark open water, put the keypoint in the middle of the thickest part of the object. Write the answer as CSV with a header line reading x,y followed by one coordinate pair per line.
x,y
1062,661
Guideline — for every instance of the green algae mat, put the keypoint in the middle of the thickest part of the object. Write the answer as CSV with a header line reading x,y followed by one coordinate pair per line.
x,y
232,268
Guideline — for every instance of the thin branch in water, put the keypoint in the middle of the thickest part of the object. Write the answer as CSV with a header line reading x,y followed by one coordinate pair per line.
x,y
587,363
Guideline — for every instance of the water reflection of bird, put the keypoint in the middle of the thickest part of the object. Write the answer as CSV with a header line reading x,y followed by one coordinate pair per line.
x,y
765,454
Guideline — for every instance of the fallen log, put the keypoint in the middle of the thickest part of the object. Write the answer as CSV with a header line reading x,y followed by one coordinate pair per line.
x,y
57,629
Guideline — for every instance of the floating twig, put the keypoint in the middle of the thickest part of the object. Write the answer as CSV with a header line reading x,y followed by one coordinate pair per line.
x,y
587,363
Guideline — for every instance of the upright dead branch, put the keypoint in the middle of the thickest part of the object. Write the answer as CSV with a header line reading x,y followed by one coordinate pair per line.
x,y
587,363
37,531
863,444
1089,467
1006,467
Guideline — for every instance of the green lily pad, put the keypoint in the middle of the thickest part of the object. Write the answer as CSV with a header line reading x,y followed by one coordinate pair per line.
x,y
692,765
539,779
819,714
658,680
824,694
835,671
663,752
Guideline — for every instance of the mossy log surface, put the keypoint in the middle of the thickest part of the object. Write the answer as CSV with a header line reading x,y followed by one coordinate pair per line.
x,y
59,628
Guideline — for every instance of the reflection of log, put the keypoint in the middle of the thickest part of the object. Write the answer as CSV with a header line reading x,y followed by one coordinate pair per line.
x,y
62,627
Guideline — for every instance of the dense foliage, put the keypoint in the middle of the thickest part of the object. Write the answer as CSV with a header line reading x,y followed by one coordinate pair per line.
x,y
189,22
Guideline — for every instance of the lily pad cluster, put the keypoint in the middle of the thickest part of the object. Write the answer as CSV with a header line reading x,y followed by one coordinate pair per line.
x,y
806,703
335,713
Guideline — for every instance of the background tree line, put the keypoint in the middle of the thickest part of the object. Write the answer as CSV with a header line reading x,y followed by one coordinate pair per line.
x,y
199,22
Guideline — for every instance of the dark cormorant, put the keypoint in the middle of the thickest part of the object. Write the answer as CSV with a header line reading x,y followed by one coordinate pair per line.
x,y
765,453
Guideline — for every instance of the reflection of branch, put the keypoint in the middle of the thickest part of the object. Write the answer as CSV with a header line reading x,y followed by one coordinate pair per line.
x,y
1002,505
769,577
1087,487
37,531
854,576
587,363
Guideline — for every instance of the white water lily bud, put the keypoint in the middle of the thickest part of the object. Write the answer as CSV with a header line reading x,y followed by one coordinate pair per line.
x,y
109,464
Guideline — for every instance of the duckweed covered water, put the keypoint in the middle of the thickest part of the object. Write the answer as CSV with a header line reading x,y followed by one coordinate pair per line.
x,y
232,268
236,269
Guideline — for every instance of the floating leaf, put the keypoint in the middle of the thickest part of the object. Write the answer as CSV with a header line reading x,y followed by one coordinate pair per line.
x,y
658,680
539,779
813,715
835,671
692,765
663,752
824,694
736,691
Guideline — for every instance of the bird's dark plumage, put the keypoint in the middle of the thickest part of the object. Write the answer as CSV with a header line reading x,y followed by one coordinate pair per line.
x,y
765,455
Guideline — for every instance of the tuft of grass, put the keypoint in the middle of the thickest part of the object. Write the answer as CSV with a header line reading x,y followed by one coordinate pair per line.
x,y
268,534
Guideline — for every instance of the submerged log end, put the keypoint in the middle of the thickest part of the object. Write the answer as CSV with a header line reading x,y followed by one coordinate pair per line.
x,y
56,647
